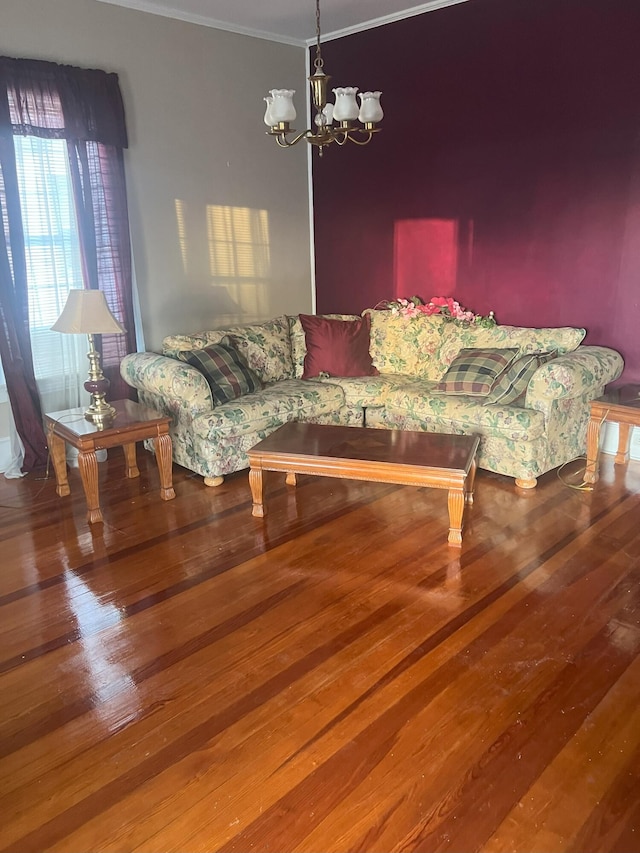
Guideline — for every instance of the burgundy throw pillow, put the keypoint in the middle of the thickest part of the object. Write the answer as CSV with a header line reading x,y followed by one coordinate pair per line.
x,y
336,347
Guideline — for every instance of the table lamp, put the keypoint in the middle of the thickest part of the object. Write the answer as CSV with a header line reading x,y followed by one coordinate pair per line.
x,y
86,313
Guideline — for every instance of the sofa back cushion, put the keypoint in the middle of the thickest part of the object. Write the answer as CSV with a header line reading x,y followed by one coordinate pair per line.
x,y
426,345
459,336
266,347
407,345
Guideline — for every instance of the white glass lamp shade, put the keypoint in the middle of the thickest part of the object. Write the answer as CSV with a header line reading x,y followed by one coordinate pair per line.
x,y
268,118
370,109
346,106
281,107
86,313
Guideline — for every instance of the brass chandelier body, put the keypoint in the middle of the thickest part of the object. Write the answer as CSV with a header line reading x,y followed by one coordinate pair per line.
x,y
340,123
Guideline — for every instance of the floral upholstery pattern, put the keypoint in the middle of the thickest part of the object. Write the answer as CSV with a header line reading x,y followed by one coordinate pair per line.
x,y
457,337
407,345
288,400
412,354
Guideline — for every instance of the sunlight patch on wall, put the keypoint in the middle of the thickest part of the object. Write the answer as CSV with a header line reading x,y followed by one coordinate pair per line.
x,y
240,259
427,254
226,261
182,234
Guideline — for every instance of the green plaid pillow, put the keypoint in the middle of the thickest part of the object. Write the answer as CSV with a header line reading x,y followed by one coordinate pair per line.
x,y
225,370
474,372
511,387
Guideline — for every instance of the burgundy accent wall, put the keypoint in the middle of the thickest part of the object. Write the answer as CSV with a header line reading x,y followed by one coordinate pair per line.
x,y
509,162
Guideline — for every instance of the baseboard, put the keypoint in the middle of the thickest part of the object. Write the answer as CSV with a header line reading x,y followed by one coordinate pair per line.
x,y
609,440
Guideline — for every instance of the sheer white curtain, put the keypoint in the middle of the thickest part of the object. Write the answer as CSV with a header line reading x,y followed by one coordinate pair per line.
x,y
53,267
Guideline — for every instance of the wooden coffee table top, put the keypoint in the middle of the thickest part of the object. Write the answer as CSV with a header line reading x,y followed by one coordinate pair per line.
x,y
316,442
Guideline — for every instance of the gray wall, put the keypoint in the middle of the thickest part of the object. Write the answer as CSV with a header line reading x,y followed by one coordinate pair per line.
x,y
198,158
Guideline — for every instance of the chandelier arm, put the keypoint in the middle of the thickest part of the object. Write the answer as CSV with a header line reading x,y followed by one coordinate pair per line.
x,y
360,141
311,137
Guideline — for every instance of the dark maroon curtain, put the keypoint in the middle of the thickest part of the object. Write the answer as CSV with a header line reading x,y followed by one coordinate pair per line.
x,y
83,106
15,341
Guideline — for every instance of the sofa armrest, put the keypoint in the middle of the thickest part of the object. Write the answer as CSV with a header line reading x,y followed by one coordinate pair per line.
x,y
177,386
584,371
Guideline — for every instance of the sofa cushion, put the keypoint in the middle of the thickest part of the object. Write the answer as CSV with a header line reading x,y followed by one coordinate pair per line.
x,y
336,347
225,370
460,336
474,372
511,387
406,345
366,391
415,403
266,348
288,400
298,339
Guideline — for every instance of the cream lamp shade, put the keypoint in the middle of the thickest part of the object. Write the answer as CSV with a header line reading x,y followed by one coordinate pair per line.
x,y
86,313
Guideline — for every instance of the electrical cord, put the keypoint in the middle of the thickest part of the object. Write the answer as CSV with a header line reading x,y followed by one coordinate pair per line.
x,y
583,486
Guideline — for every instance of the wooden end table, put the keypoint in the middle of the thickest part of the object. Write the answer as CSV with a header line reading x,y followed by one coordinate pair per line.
x,y
132,423
407,458
619,405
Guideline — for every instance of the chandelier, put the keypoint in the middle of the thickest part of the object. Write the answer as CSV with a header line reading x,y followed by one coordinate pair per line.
x,y
340,122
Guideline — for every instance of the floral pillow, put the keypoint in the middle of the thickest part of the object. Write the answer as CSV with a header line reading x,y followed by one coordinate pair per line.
x,y
266,349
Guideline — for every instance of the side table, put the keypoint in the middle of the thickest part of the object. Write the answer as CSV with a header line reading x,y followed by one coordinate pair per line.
x,y
619,405
132,423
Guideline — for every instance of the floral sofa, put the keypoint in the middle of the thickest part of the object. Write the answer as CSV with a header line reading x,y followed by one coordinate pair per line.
x,y
410,358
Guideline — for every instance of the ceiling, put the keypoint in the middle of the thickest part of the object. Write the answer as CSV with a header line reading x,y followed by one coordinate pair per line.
x,y
287,21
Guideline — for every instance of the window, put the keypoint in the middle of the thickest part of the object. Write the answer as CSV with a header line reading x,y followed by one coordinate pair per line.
x,y
52,251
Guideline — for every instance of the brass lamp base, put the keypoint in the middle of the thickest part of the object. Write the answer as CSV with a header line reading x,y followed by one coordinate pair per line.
x,y
99,412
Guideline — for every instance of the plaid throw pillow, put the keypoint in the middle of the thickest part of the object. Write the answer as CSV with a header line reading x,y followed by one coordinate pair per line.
x,y
225,370
511,388
474,372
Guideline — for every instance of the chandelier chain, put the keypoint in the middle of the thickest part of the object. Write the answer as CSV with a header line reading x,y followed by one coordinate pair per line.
x,y
318,62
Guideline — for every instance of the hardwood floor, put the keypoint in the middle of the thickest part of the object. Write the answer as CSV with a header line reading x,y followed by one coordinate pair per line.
x,y
330,678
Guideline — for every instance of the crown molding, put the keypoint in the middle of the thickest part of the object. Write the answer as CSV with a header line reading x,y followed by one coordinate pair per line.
x,y
429,6
205,21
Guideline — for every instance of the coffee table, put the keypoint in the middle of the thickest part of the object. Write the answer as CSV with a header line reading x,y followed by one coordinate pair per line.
x,y
433,460
132,423
619,405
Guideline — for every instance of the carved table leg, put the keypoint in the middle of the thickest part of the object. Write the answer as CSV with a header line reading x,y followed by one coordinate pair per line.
x,y
593,443
88,465
255,482
58,457
456,510
622,455
163,457
291,478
